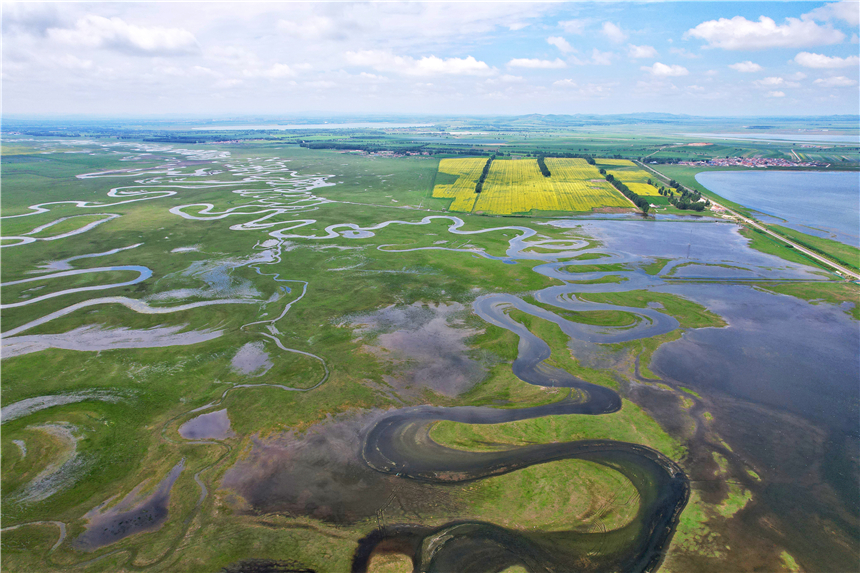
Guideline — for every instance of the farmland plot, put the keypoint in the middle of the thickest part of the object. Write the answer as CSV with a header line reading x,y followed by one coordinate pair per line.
x,y
581,186
517,186
636,179
468,171
615,162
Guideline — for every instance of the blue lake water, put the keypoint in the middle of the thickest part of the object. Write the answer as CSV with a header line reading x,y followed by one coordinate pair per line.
x,y
364,125
828,138
821,204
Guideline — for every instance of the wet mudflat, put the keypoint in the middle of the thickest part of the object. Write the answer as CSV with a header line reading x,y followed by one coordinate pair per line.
x,y
133,514
428,344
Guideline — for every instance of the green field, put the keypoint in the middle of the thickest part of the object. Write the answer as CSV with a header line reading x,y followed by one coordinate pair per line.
x,y
375,295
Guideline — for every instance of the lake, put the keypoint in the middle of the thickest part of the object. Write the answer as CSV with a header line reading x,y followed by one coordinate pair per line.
x,y
365,125
831,138
813,202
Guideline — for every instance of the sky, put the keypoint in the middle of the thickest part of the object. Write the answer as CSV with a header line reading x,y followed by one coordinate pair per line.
x,y
489,58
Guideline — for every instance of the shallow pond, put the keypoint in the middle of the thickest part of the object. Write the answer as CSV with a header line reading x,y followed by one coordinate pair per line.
x,y
211,426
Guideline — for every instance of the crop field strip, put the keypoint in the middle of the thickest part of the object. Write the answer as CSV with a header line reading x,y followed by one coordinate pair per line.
x,y
468,171
615,162
636,179
582,185
517,186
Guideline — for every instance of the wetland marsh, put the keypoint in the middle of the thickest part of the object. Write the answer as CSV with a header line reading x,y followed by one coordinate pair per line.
x,y
276,354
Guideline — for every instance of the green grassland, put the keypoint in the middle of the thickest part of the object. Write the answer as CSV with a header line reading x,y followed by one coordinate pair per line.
x,y
123,443
763,242
688,313
839,252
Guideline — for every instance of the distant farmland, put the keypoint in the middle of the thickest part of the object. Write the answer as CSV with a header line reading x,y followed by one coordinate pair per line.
x,y
517,186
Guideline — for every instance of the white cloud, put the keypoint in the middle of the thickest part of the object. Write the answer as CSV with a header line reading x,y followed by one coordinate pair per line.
x,y
277,71
227,83
320,84
202,71
662,70
809,60
746,67
385,61
797,76
656,87
683,53
535,63
311,28
573,26
775,94
566,83
233,56
641,51
770,82
504,79
115,33
30,18
599,58
848,10
835,82
613,32
74,63
560,43
597,90
742,34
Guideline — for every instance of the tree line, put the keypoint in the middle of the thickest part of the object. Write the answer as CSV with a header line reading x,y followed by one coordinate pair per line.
x,y
480,185
542,166
561,155
639,201
685,200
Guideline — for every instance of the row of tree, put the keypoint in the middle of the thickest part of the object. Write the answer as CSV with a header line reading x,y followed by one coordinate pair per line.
x,y
480,185
368,147
686,200
542,166
639,201
558,154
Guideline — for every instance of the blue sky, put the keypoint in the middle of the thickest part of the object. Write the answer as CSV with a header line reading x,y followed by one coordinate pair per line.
x,y
700,58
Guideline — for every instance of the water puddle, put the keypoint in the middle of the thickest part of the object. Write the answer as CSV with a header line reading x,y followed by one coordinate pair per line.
x,y
252,360
211,426
427,345
134,514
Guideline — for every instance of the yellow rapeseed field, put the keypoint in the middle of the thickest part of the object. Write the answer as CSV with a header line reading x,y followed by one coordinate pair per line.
x,y
517,186
462,190
618,162
642,189
636,180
